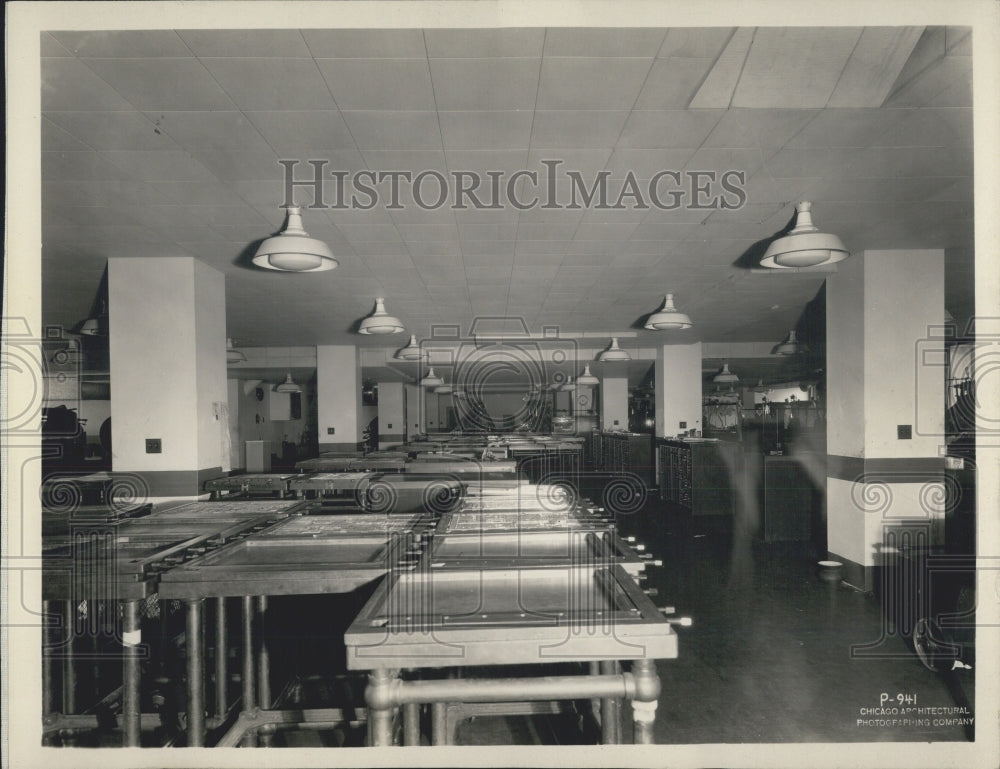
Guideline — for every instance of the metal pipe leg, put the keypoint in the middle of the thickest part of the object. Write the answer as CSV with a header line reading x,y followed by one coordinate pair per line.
x,y
439,723
248,665
221,659
48,669
380,708
195,635
411,724
131,638
264,671
647,690
69,663
610,710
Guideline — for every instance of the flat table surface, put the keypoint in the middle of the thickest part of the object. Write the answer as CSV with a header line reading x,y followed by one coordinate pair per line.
x,y
302,556
124,561
507,617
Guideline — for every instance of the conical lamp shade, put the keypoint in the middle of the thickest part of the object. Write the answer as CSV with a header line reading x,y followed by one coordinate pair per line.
x,y
804,245
614,352
725,376
790,346
668,317
288,386
380,322
586,378
432,379
412,351
292,250
232,354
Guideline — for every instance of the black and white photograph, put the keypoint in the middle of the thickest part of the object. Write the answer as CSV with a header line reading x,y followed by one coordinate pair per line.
x,y
501,384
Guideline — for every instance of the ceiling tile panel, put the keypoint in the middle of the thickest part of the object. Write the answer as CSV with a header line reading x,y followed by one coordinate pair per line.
x,y
124,130
271,84
365,43
590,82
668,129
209,130
397,84
485,84
55,139
69,84
485,130
139,43
51,48
794,67
874,66
620,42
577,128
765,128
673,82
241,43
485,43
288,130
721,80
81,166
387,130
163,84
236,164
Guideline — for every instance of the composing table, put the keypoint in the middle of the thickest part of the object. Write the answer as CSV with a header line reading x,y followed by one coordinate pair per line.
x,y
121,562
273,484
307,555
520,578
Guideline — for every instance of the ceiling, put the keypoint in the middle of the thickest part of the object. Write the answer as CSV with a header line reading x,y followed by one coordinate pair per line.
x,y
166,143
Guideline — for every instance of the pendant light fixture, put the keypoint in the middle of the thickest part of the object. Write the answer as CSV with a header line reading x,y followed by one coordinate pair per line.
x,y
668,317
568,385
96,325
288,386
760,386
614,352
586,378
432,379
380,322
725,376
444,388
791,346
804,245
292,250
232,354
412,351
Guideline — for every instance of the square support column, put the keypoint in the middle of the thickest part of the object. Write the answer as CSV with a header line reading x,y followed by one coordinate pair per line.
x,y
391,414
885,413
338,398
614,403
678,389
169,400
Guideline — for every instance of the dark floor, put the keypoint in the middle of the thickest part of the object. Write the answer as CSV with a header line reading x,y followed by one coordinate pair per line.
x,y
774,654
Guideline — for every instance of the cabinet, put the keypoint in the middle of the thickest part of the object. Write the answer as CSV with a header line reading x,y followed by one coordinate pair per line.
x,y
700,476
629,453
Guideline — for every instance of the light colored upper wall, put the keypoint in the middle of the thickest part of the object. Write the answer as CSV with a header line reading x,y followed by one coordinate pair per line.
x,y
845,369
904,371
212,396
153,352
338,393
678,388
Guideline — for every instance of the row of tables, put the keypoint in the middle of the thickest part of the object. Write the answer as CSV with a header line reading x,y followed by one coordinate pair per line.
x,y
473,568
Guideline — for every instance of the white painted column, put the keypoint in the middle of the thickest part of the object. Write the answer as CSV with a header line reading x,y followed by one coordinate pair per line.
x,y
168,373
885,405
614,403
391,414
414,411
678,389
338,398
